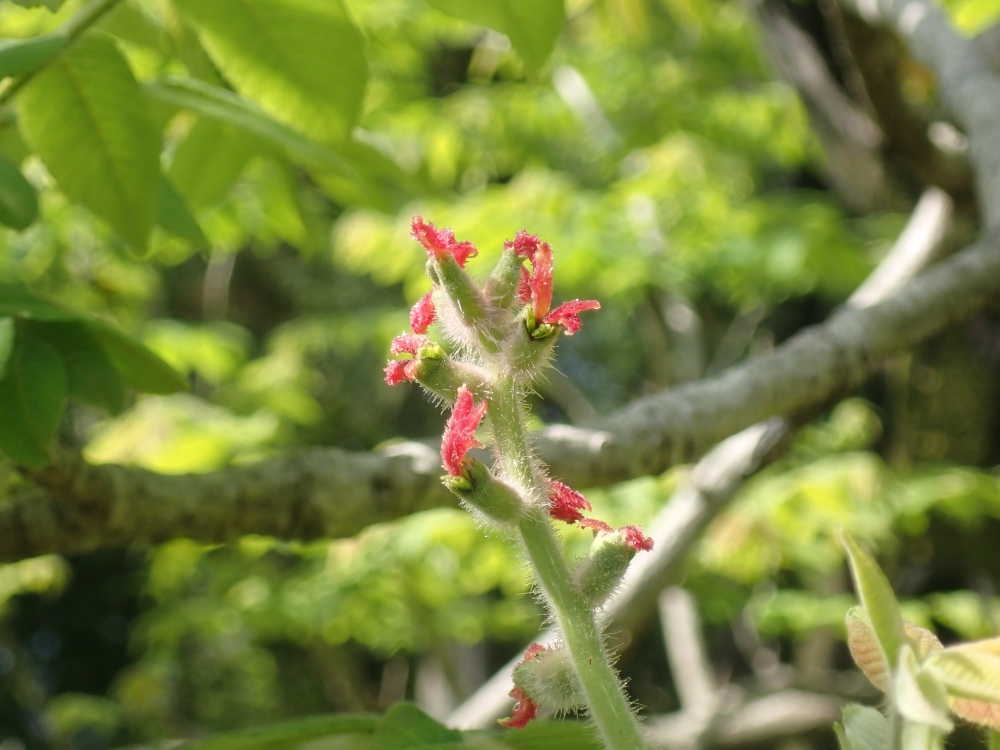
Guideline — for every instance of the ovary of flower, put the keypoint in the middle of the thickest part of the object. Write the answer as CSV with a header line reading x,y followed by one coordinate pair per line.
x,y
565,503
396,371
459,434
422,314
439,243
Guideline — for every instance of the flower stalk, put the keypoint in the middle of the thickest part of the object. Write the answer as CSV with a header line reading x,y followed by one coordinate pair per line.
x,y
510,327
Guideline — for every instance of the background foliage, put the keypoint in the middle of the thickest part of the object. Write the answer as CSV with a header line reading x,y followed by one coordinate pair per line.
x,y
230,183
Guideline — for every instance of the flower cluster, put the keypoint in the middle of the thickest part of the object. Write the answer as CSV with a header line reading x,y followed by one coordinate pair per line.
x,y
510,327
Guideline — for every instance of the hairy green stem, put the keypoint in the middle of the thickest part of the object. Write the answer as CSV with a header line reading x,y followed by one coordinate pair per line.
x,y
71,30
605,697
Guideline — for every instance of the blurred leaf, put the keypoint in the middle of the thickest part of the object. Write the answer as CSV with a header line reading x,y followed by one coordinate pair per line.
x,y
6,342
52,5
18,202
131,24
87,119
877,599
19,56
32,395
18,302
918,694
553,735
406,727
138,366
226,106
91,377
209,160
970,670
173,214
355,173
865,728
533,26
302,60
352,731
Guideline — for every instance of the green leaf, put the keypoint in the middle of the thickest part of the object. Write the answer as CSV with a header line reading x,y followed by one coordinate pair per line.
x,y
32,395
553,735
19,56
18,302
352,731
6,342
919,695
18,202
921,737
405,727
209,160
52,5
91,376
876,597
225,106
968,670
865,728
302,60
533,26
87,119
173,214
358,173
140,368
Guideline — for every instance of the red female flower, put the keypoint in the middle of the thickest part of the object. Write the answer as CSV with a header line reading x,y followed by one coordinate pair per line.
x,y
439,243
565,504
423,313
535,286
405,369
525,709
631,535
566,315
597,525
636,539
459,433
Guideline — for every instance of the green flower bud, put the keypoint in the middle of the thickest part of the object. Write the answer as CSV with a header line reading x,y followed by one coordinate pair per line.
x,y
483,492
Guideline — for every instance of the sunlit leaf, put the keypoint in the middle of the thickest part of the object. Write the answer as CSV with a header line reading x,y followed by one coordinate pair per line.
x,y
32,395
87,119
354,173
302,60
225,106
18,202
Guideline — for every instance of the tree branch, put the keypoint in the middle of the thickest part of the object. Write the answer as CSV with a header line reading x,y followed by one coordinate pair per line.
x,y
335,493
969,86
